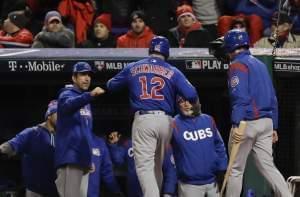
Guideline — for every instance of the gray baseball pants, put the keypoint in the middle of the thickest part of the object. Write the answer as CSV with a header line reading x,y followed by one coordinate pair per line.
x,y
188,190
32,194
151,134
257,141
71,182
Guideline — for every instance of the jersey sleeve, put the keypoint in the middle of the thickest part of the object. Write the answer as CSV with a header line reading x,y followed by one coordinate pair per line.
x,y
107,174
275,113
169,174
21,142
222,158
118,154
185,88
238,91
69,103
119,80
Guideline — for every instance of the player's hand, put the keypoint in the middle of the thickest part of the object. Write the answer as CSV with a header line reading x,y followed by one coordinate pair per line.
x,y
236,136
274,137
114,137
97,91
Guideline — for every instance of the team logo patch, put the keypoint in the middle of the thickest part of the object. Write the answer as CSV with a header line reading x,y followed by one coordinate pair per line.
x,y
96,152
234,81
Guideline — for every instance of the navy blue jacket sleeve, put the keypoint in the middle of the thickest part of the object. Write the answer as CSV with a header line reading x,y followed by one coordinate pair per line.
x,y
107,174
238,91
185,88
220,148
69,103
118,154
118,81
275,113
21,141
169,174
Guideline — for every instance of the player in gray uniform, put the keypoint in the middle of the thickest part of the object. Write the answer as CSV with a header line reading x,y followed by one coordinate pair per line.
x,y
153,85
253,100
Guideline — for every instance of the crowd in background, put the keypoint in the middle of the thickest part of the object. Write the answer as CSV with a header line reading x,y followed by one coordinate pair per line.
x,y
132,24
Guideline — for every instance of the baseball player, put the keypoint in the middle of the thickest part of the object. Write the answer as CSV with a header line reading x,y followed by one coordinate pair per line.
x,y
153,85
199,152
73,151
102,170
123,154
253,100
36,145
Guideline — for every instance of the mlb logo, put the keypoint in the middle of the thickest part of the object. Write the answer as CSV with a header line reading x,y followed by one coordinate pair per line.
x,y
96,151
157,47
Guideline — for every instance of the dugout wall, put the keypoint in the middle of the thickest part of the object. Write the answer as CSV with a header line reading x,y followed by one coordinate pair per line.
x,y
30,78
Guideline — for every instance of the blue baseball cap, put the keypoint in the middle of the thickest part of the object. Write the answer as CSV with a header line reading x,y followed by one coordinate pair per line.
x,y
52,108
81,67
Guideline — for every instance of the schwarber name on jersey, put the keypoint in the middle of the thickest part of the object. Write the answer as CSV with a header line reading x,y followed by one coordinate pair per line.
x,y
152,84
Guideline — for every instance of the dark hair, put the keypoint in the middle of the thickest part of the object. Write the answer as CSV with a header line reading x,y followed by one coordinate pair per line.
x,y
138,14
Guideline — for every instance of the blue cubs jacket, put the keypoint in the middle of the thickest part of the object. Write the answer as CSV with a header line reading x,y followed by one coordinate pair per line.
x,y
36,145
251,90
153,85
74,128
103,169
198,149
123,154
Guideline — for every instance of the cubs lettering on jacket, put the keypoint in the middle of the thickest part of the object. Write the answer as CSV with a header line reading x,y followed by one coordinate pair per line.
x,y
197,134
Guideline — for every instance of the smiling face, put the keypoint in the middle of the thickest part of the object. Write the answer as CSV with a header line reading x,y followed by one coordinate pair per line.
x,y
82,80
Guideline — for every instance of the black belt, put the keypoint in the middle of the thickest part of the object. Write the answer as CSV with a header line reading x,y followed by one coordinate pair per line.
x,y
157,112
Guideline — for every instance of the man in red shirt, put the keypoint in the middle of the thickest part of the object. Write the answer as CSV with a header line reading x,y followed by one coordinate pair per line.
x,y
139,36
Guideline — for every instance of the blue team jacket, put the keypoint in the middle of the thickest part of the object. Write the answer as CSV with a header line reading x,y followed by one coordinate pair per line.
x,y
74,128
153,85
124,155
251,90
36,145
103,169
198,149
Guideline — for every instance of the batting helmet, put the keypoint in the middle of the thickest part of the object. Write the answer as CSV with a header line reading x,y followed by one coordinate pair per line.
x,y
160,44
234,39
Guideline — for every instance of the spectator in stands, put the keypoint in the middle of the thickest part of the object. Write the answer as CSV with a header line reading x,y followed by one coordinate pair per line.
x,y
207,12
54,33
252,24
139,36
161,14
101,36
14,34
7,6
120,13
286,39
36,146
188,32
261,8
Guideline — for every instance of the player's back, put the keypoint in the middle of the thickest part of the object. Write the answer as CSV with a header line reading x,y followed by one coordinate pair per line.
x,y
153,84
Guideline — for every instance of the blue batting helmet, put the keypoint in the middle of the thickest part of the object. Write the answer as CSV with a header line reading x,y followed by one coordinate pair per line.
x,y
234,39
160,44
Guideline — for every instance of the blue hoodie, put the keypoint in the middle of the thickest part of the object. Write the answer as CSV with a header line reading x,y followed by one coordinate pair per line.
x,y
36,145
251,90
124,155
103,170
198,149
74,128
